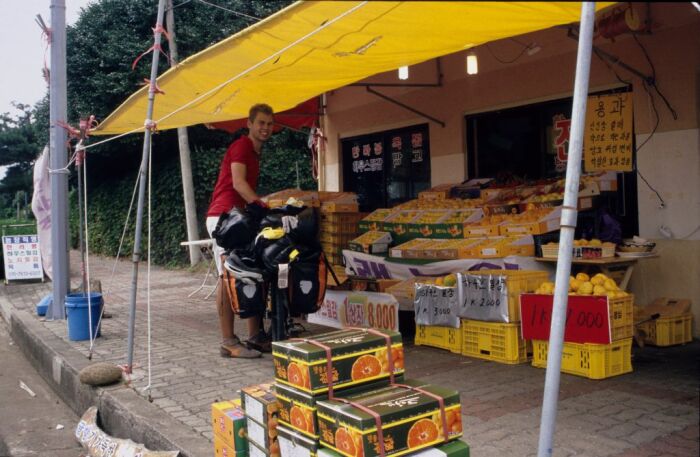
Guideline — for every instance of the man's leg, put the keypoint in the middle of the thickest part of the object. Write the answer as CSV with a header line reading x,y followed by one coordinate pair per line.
x,y
257,338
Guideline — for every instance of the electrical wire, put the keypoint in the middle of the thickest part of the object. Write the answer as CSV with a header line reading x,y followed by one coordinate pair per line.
x,y
230,11
652,83
525,49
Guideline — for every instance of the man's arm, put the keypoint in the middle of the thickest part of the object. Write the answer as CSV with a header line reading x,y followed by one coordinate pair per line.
x,y
240,185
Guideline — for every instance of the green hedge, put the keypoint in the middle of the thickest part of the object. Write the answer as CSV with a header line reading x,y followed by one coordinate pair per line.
x,y
109,197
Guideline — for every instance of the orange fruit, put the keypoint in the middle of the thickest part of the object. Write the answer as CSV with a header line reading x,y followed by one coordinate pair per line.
x,y
366,366
422,433
297,375
344,442
298,419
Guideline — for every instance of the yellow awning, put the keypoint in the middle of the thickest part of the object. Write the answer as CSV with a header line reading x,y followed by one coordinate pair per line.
x,y
312,47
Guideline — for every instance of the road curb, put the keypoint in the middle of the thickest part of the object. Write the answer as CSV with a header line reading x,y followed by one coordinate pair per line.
x,y
123,413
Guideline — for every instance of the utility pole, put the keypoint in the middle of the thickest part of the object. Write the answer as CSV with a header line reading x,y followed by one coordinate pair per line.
x,y
183,142
58,159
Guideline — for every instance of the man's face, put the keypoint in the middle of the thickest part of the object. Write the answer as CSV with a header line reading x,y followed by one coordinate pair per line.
x,y
261,128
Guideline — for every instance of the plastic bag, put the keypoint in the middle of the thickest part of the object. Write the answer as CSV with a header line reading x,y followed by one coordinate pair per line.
x,y
100,444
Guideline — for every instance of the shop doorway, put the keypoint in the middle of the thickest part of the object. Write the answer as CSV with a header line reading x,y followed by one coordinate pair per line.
x,y
517,145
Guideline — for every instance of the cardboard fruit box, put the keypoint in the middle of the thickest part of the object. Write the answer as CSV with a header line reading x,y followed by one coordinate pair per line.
x,y
294,444
371,242
260,404
298,409
222,448
410,420
454,448
228,423
358,356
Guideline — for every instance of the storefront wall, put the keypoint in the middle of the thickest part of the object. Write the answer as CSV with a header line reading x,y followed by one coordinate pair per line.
x,y
670,161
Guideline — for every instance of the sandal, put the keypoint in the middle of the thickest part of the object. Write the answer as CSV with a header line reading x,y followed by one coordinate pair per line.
x,y
260,342
233,348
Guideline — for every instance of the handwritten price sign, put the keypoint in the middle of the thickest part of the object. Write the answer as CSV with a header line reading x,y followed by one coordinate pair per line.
x,y
436,305
587,318
483,297
342,309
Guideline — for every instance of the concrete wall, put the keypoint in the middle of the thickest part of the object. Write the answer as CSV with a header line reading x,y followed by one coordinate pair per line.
x,y
670,161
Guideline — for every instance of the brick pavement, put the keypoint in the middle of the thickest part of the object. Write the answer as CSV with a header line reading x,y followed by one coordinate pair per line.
x,y
650,412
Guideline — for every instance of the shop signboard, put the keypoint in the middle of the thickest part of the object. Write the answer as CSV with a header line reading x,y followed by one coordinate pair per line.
x,y
587,318
22,257
341,309
607,142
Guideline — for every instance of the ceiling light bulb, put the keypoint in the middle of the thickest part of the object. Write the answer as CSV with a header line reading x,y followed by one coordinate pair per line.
x,y
472,63
403,73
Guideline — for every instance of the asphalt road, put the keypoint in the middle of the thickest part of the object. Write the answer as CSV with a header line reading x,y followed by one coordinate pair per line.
x,y
28,424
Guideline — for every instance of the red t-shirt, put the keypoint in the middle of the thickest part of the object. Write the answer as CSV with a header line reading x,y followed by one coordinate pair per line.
x,y
225,197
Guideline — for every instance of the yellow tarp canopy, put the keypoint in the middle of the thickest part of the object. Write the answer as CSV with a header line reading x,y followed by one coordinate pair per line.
x,y
312,47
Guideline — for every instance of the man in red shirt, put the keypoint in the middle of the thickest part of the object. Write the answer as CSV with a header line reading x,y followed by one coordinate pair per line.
x,y
235,187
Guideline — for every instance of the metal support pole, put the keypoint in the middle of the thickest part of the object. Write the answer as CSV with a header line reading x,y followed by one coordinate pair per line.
x,y
142,185
404,106
568,225
58,160
81,228
184,146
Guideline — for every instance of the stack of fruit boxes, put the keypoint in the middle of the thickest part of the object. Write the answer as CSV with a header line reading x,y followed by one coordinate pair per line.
x,y
336,231
367,388
261,414
229,427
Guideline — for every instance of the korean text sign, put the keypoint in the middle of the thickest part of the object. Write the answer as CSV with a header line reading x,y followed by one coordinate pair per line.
x,y
22,257
607,142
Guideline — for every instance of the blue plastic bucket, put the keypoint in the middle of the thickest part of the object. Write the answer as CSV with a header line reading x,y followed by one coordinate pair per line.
x,y
78,317
43,305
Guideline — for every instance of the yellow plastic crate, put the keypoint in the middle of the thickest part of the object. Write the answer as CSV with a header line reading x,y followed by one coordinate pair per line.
x,y
593,361
668,331
621,317
495,341
440,337
518,282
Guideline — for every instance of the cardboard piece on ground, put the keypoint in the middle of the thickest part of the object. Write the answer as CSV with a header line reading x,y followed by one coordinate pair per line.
x,y
666,307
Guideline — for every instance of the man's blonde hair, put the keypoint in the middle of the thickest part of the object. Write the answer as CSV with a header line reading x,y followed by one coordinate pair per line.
x,y
259,108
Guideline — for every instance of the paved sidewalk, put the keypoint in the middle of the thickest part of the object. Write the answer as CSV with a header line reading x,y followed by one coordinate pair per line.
x,y
650,412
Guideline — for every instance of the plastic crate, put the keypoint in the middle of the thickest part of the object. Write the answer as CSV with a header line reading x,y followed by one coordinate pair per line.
x,y
668,331
621,317
551,251
593,361
498,342
518,282
440,337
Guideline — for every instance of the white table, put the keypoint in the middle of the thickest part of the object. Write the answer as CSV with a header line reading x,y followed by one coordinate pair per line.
x,y
205,247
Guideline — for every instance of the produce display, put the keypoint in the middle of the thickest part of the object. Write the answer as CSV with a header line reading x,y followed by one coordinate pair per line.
x,y
582,284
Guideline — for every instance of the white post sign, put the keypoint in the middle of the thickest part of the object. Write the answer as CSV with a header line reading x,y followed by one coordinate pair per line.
x,y
22,257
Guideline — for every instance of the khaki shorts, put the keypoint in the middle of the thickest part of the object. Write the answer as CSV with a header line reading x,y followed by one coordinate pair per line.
x,y
217,250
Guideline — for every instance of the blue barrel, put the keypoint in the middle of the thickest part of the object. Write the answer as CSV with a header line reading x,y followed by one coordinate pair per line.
x,y
78,317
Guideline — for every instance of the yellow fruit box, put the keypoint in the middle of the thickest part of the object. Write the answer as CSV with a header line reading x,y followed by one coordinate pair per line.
x,y
338,202
222,449
260,404
358,356
395,420
412,249
228,425
451,249
404,292
307,197
439,192
531,223
371,242
502,247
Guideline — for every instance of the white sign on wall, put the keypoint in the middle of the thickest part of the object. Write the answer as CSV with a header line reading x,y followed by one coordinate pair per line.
x,y
341,309
22,257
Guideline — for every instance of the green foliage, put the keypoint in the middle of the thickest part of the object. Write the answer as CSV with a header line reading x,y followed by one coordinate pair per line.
x,y
101,47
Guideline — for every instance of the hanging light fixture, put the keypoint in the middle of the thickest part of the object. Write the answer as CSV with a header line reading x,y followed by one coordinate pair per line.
x,y
403,73
472,63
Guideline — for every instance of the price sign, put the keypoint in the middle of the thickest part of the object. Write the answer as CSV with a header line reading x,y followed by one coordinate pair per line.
x,y
607,142
587,318
22,257
342,309
483,297
436,305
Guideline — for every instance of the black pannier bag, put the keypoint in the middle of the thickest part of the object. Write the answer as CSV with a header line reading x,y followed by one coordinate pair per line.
x,y
307,282
245,284
235,229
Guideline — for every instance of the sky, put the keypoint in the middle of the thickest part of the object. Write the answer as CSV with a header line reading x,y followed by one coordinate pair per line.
x,y
22,50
